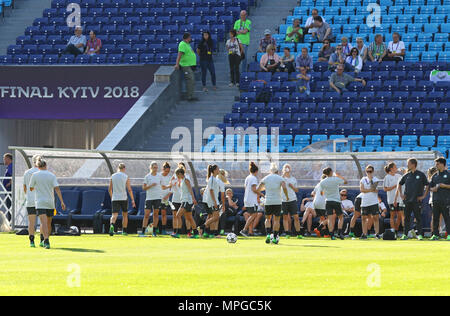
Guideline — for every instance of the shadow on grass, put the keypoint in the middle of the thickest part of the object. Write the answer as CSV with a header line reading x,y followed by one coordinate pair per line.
x,y
80,250
308,246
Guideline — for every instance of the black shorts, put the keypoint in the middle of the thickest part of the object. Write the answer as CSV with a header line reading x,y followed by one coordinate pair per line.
x,y
273,210
118,206
250,210
153,204
392,208
370,210
210,210
289,207
31,211
358,205
331,206
187,206
176,205
321,213
47,212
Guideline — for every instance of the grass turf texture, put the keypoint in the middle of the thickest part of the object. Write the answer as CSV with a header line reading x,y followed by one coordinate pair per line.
x,y
129,265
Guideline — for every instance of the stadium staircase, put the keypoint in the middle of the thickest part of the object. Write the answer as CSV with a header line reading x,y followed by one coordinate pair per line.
x,y
213,105
16,20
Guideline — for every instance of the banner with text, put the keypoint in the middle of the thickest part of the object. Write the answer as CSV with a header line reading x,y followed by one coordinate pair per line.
x,y
72,92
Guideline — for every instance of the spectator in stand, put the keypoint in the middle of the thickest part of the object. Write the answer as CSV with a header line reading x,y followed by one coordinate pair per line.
x,y
243,27
326,51
270,61
235,49
187,61
336,58
76,43
378,49
303,81
347,205
309,25
346,46
324,30
266,41
93,45
205,50
396,49
287,61
304,60
231,209
362,48
294,33
354,61
339,80
7,183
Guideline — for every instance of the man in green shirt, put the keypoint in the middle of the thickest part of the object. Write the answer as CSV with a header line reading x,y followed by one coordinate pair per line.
x,y
186,60
295,32
242,27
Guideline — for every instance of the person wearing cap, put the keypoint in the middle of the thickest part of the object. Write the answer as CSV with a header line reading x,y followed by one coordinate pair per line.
x,y
266,41
294,33
76,43
243,27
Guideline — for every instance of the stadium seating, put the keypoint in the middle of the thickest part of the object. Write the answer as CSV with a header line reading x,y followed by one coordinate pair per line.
x,y
399,103
137,31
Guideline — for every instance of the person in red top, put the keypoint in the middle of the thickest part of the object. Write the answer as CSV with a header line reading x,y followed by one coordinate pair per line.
x,y
93,45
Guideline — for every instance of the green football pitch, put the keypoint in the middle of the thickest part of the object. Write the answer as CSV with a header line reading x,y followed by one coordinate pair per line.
x,y
119,265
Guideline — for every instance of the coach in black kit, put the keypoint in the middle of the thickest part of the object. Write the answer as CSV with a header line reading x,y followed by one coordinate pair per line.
x,y
440,186
415,182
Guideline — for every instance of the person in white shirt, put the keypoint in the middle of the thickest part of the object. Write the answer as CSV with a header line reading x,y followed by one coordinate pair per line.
x,y
307,206
210,198
251,196
187,202
118,186
330,187
356,215
362,48
31,203
319,204
346,46
273,184
354,60
309,25
347,205
44,183
389,186
290,208
153,187
369,201
176,199
223,181
165,195
396,49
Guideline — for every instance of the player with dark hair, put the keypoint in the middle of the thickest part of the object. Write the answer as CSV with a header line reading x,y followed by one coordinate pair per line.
x,y
390,185
416,189
440,186
251,197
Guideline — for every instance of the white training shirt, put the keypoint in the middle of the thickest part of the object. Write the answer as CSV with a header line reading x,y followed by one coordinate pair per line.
x,y
272,182
119,186
30,194
165,180
44,183
371,198
186,196
250,197
347,204
155,192
212,184
390,181
330,188
309,204
176,191
291,193
396,47
382,206
319,199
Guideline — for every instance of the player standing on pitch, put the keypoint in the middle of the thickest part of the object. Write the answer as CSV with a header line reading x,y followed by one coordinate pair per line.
x,y
165,195
273,185
251,197
330,187
290,208
118,186
153,188
187,202
390,185
440,186
31,203
45,184
369,202
415,183
210,199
